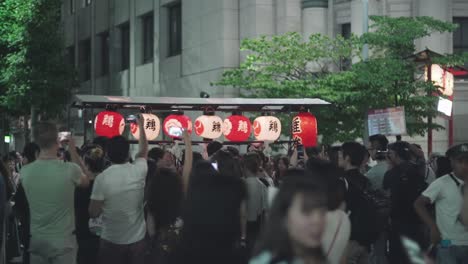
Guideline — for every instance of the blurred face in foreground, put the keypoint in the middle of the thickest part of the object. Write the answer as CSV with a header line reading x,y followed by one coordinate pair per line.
x,y
305,222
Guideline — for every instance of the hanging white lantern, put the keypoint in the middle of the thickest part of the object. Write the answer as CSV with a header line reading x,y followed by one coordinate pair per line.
x,y
267,128
209,126
152,126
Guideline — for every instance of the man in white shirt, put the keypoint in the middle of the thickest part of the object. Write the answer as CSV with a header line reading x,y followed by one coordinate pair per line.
x,y
448,233
118,196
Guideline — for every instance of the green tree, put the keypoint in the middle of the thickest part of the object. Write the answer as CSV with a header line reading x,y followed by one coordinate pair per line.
x,y
287,66
34,74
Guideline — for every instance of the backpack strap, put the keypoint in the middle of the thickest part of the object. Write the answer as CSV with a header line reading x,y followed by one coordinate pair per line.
x,y
335,236
454,179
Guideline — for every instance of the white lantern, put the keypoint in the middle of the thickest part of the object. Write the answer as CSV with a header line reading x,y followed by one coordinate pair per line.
x,y
210,127
152,126
267,128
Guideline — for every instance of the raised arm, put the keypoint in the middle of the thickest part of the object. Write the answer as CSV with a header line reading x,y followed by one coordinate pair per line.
x,y
294,158
188,161
75,158
143,142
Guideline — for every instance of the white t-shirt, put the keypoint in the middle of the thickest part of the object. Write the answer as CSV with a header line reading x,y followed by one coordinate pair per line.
x,y
256,198
448,202
121,187
336,235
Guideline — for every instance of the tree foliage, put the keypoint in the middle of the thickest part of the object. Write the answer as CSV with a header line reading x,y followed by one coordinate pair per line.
x,y
286,66
33,68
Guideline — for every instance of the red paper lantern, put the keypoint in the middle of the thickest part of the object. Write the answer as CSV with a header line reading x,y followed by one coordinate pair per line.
x,y
267,128
304,129
237,128
109,124
174,123
209,126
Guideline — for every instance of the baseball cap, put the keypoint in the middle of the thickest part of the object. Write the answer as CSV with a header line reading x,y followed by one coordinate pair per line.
x,y
458,151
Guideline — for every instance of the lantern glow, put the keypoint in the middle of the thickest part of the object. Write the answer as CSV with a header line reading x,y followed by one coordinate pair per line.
x,y
267,128
151,124
304,129
237,128
109,124
208,126
173,125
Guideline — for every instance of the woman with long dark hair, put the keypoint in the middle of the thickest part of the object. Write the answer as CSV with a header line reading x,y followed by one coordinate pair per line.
x,y
295,225
211,218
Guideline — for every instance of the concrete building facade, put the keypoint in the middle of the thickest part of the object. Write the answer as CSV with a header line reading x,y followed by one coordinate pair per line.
x,y
179,47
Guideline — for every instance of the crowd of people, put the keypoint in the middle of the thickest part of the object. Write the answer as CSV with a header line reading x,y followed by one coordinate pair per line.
x,y
381,203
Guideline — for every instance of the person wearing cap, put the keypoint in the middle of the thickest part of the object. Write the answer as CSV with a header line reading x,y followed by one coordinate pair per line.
x,y
448,234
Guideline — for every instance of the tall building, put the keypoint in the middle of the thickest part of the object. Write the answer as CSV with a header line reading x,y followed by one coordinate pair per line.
x,y
178,47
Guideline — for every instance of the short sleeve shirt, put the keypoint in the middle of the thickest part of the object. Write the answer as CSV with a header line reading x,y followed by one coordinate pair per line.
x,y
49,186
121,187
448,200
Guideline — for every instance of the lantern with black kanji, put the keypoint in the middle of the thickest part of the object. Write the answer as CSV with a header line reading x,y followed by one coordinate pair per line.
x,y
237,128
209,126
304,129
267,128
175,124
151,124
109,124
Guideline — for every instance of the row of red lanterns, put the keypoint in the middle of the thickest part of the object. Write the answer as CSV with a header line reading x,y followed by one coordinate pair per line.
x,y
234,128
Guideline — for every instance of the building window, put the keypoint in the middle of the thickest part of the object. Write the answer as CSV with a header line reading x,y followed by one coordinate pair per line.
x,y
72,6
103,53
70,56
148,37
460,36
345,31
85,60
124,46
175,29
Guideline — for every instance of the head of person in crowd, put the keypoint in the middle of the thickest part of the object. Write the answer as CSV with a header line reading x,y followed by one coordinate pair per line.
x,y
334,154
93,158
46,135
295,223
164,197
378,147
213,147
226,164
211,214
101,141
443,166
399,152
234,152
252,163
417,154
6,174
10,161
163,158
118,150
351,155
458,156
30,153
330,176
281,165
313,152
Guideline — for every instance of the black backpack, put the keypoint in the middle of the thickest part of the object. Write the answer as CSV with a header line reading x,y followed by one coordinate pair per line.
x,y
369,216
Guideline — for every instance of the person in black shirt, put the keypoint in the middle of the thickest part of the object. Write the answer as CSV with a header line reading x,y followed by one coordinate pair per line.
x,y
350,158
405,181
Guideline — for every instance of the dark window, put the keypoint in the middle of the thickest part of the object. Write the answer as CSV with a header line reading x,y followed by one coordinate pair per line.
x,y
175,29
345,63
70,56
148,37
460,36
125,46
346,30
87,2
72,6
104,53
85,60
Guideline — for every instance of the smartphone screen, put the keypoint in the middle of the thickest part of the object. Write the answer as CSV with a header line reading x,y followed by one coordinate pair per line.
x,y
175,131
64,135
